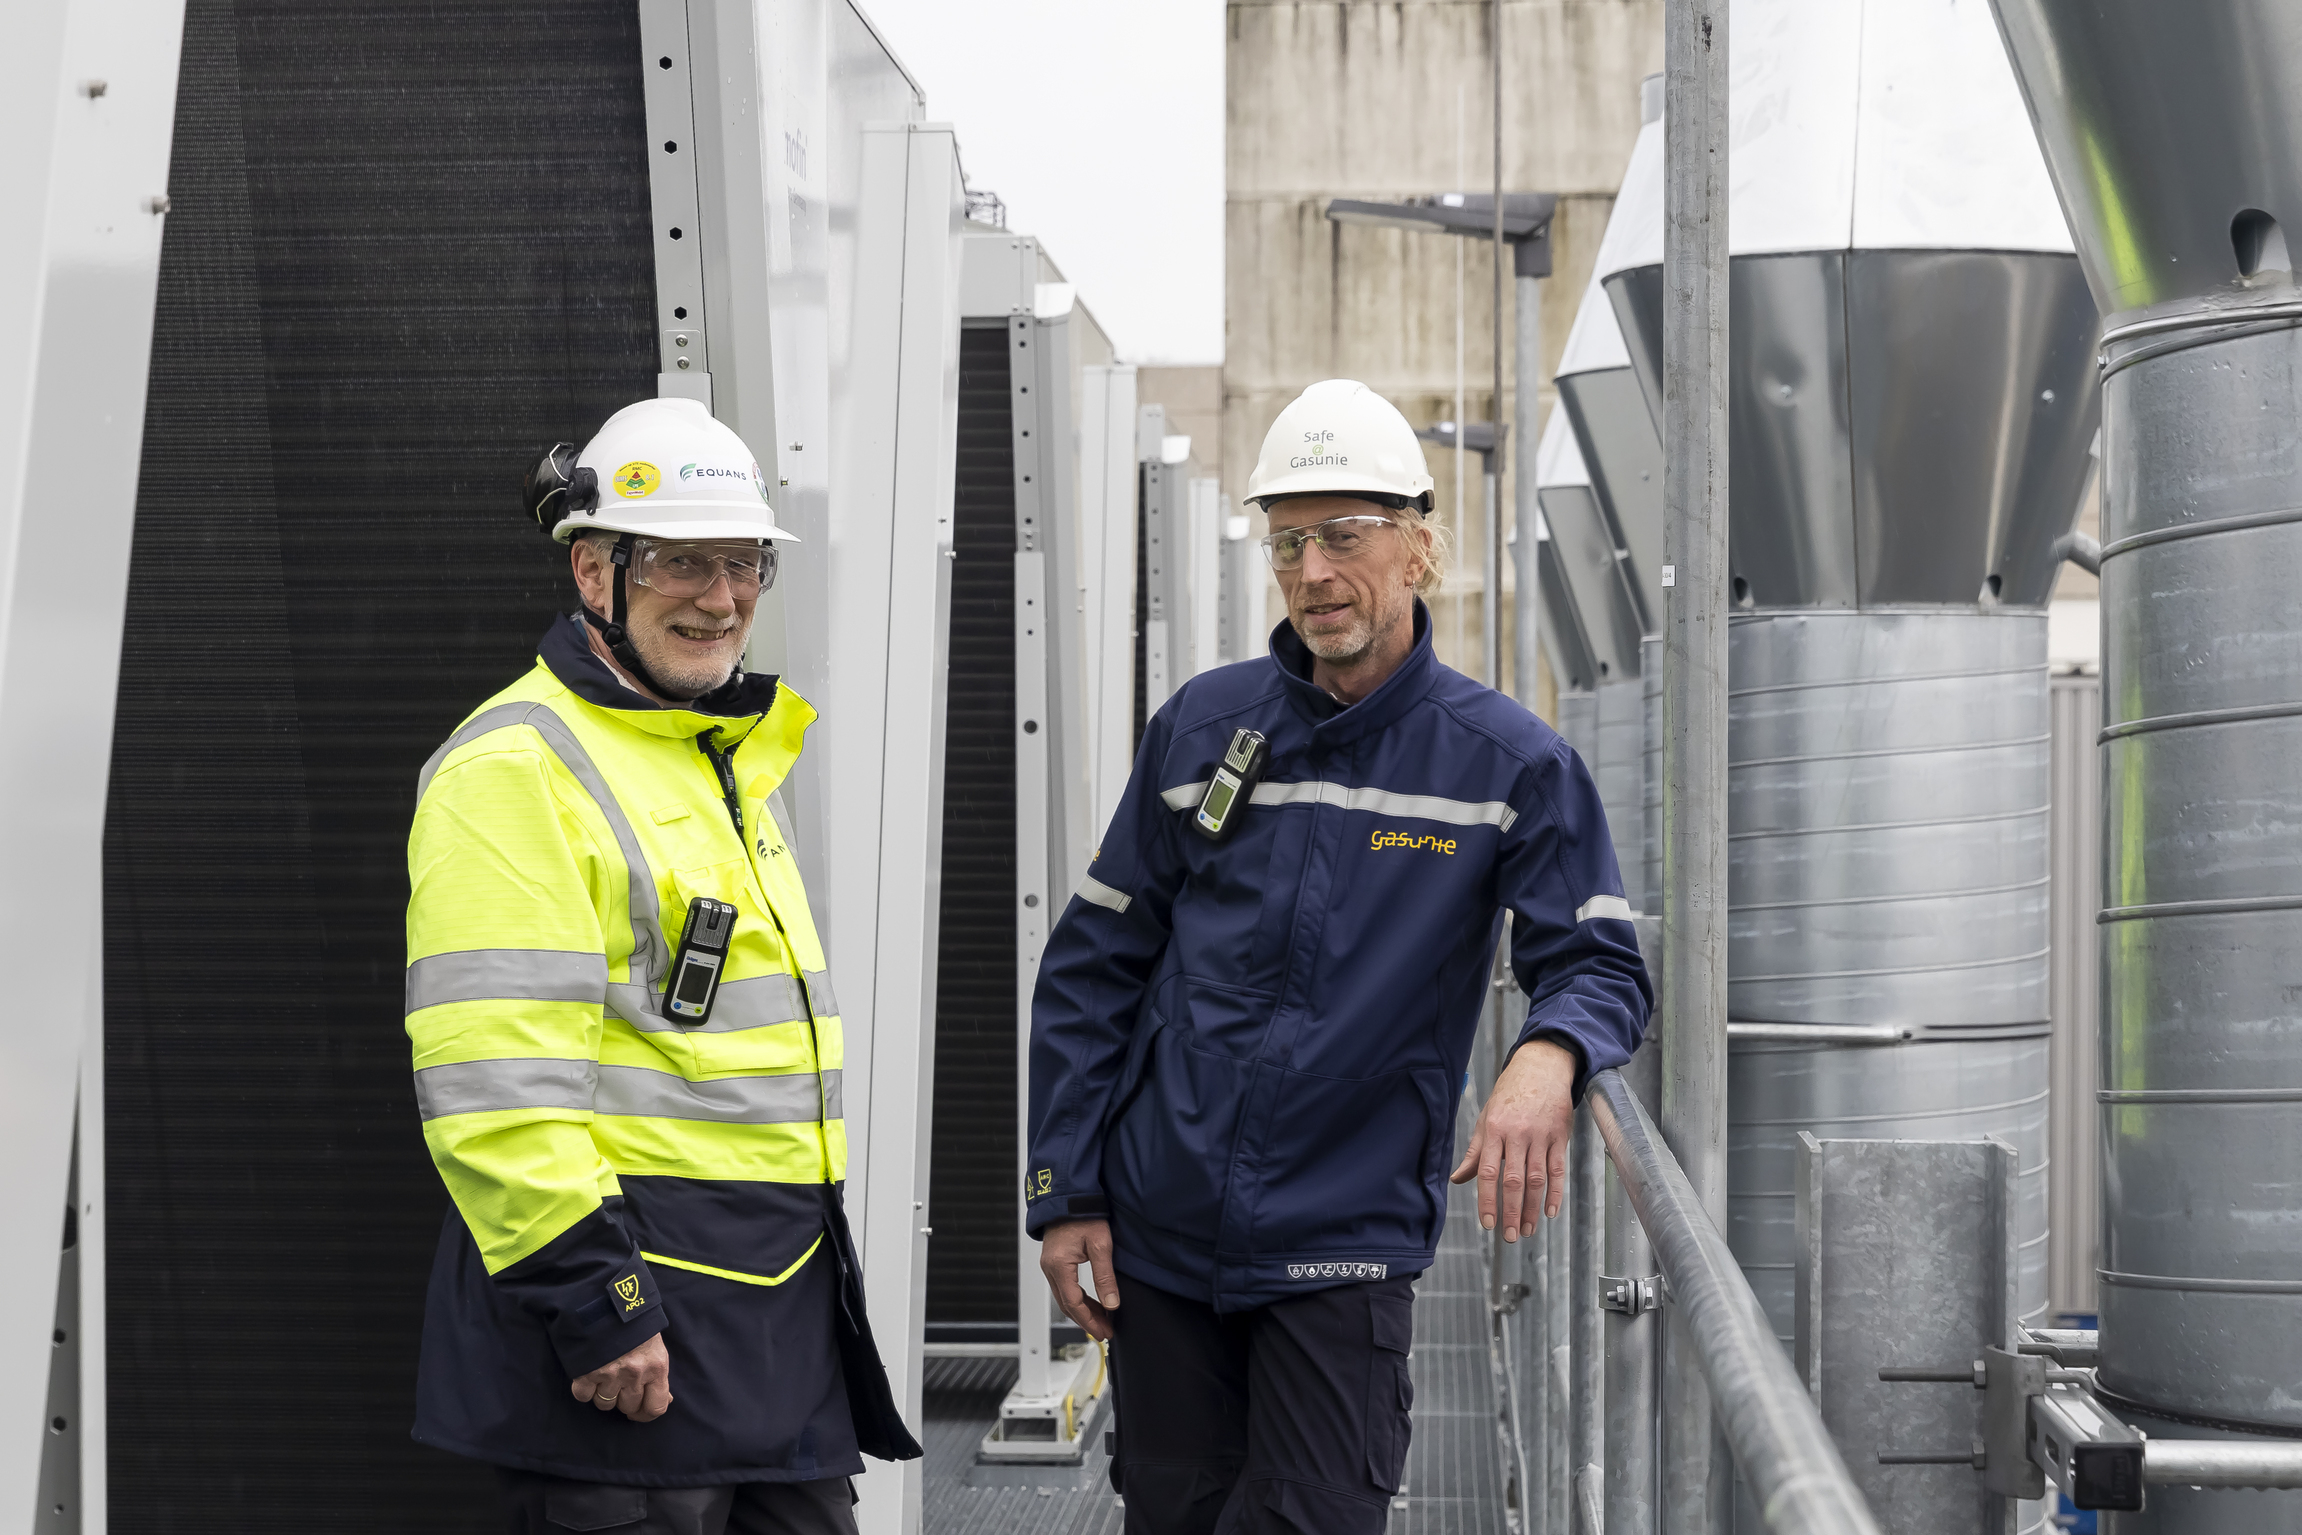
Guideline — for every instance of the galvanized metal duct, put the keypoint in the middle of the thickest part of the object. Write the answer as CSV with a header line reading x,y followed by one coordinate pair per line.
x,y
1911,410
2170,135
1887,847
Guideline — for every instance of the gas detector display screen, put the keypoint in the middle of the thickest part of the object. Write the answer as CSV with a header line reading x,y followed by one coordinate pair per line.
x,y
1219,797
694,983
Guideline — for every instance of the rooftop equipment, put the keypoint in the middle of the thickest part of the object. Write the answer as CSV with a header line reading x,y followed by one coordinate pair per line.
x,y
2168,135
1911,408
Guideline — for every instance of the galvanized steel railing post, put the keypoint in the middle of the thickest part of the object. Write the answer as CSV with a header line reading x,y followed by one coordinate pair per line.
x,y
1587,1184
1696,1482
1796,1476
1526,412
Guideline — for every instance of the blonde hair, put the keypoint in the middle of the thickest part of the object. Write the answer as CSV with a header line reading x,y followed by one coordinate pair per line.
x,y
1437,541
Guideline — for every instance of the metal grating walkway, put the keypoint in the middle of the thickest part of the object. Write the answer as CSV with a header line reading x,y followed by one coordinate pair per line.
x,y
1454,1477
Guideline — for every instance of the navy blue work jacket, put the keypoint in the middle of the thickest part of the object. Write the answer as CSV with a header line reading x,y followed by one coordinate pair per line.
x,y
1248,1054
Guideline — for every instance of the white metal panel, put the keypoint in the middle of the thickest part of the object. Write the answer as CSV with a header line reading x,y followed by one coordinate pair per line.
x,y
1795,72
1595,339
88,120
1944,152
894,446
1000,275
1035,1371
1559,458
1634,236
741,227
1107,529
1205,564
666,71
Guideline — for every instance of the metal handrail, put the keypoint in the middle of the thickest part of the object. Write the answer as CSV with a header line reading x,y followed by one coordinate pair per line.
x,y
1801,1485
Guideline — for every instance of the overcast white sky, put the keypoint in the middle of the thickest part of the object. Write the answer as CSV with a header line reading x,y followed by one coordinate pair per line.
x,y
1101,126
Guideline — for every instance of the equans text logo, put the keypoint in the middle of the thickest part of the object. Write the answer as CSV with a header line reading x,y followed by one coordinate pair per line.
x,y
1399,839
691,473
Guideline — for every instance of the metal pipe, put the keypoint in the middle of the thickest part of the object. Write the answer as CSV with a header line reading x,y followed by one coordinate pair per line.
x,y
1492,605
2222,1463
1821,1033
1631,1347
1587,1179
1491,571
1525,408
1696,1483
1797,1479
1558,1371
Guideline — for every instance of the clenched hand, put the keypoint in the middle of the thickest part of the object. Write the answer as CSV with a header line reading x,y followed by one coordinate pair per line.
x,y
1068,1244
1518,1150
638,1385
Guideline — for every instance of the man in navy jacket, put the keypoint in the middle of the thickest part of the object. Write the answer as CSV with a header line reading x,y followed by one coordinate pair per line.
x,y
1246,1053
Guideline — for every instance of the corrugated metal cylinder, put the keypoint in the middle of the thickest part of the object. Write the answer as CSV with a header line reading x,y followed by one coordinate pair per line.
x,y
1888,781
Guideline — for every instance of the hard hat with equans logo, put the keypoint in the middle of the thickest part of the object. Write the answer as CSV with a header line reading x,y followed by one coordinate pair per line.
x,y
1340,438
664,469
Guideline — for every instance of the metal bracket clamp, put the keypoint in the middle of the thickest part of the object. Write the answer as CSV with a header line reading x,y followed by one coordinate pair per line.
x,y
1631,1297
2039,1424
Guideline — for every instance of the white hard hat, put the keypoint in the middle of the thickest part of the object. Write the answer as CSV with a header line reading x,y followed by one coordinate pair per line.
x,y
667,469
1340,438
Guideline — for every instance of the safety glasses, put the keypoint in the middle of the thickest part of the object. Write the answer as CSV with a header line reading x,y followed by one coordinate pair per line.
x,y
1338,538
689,570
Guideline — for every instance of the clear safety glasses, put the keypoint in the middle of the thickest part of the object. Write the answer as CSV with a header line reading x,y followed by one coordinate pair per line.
x,y
1338,538
690,570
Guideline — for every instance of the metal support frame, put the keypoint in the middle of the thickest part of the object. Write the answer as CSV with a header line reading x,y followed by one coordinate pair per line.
x,y
1801,1485
1174,563
89,127
1697,1484
894,450
1587,1179
1107,515
1527,600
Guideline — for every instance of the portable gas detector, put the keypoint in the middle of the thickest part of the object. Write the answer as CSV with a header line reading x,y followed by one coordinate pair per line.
x,y
1232,787
702,956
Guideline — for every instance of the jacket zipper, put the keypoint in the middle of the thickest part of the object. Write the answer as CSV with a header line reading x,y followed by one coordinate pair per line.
x,y
723,763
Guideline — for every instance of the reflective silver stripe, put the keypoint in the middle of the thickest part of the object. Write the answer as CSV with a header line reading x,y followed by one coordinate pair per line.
x,y
754,1003
794,1098
819,994
650,955
508,975
476,1087
1604,906
1422,807
1095,892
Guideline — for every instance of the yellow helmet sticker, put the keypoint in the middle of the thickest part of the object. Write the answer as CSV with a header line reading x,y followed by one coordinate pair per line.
x,y
637,478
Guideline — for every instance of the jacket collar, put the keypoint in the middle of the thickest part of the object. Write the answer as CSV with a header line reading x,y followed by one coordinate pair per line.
x,y
1330,726
734,709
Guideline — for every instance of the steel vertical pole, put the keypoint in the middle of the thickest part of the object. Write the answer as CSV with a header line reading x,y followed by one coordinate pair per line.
x,y
1527,365
1630,1345
1587,1186
1491,609
1697,1474
1558,1448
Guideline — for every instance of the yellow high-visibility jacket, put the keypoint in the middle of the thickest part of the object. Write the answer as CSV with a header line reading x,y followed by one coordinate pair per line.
x,y
617,1172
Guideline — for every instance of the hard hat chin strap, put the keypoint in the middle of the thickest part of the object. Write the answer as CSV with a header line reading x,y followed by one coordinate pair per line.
x,y
611,629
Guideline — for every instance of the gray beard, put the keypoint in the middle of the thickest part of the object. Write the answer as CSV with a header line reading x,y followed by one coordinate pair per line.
x,y
684,681
1351,644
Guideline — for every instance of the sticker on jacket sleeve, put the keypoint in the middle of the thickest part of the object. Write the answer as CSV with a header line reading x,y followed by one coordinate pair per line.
x,y
1338,1271
627,1296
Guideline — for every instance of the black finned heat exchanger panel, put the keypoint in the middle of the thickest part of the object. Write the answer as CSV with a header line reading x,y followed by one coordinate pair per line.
x,y
408,244
971,1263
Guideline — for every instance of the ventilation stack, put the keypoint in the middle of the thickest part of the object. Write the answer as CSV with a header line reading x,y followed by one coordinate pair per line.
x,y
1912,406
2170,134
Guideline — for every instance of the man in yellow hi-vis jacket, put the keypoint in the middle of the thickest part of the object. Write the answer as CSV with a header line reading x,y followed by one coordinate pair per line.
x,y
645,1310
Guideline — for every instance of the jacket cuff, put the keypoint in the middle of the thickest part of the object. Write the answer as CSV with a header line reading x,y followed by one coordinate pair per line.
x,y
590,1330
1046,1209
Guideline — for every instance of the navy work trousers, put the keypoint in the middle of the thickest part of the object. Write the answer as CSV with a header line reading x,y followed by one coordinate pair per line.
x,y
1290,1419
549,1505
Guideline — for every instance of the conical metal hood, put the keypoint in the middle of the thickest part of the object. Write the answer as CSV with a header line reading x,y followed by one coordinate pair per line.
x,y
2172,136
1912,340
